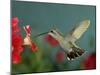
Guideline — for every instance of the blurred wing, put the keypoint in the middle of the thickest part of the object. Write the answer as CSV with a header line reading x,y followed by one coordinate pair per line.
x,y
77,32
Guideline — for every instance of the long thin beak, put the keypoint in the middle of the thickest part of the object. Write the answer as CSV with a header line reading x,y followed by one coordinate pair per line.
x,y
41,34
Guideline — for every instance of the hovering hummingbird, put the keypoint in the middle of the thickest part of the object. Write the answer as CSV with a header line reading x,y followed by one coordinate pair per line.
x,y
68,42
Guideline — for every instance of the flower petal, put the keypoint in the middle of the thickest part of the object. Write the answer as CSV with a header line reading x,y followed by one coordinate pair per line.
x,y
27,29
28,41
14,21
34,47
15,57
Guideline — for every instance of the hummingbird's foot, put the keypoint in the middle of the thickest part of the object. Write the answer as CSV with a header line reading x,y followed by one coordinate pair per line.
x,y
76,52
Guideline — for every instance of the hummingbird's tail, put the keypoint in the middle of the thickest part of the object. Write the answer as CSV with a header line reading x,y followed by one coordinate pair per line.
x,y
76,52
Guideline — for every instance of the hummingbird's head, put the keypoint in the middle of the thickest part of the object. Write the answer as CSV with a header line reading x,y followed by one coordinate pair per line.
x,y
55,34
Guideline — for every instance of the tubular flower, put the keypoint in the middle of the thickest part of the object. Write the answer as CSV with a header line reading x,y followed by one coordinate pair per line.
x,y
27,39
15,57
15,27
27,29
15,21
51,40
17,41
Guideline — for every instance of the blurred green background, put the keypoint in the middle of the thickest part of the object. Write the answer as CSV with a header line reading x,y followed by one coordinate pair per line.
x,y
41,17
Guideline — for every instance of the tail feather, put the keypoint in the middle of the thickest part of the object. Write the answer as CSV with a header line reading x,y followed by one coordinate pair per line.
x,y
76,52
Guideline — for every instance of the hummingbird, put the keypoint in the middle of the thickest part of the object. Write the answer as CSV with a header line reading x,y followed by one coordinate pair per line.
x,y
68,42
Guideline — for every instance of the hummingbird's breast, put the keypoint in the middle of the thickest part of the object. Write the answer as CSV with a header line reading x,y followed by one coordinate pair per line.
x,y
65,45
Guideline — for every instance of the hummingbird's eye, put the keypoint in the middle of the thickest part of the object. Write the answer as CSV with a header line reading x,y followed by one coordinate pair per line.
x,y
52,31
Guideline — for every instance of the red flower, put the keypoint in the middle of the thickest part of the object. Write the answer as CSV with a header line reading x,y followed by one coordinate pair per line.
x,y
90,62
15,57
34,47
60,56
17,41
51,40
27,39
14,21
15,27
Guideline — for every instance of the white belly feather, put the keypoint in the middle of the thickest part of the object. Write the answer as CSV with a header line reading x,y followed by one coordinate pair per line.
x,y
65,45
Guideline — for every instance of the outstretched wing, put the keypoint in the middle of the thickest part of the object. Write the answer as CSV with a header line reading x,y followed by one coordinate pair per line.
x,y
78,31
